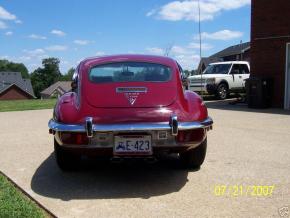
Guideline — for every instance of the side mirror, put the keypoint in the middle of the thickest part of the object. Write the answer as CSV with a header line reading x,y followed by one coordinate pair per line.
x,y
74,85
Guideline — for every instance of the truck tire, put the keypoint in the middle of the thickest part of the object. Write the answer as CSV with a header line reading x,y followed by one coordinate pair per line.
x,y
222,91
64,159
194,158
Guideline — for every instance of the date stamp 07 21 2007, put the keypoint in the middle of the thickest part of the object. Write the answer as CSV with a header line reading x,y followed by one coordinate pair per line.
x,y
244,190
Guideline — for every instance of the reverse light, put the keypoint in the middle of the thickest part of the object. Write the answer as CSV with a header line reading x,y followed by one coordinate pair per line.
x,y
191,136
74,138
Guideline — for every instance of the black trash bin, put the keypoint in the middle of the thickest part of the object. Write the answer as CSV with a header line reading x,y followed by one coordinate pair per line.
x,y
259,92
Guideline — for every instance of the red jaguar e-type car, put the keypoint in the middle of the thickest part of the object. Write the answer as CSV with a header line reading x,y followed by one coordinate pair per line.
x,y
128,106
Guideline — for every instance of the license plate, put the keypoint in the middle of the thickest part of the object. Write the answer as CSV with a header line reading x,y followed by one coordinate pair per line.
x,y
133,145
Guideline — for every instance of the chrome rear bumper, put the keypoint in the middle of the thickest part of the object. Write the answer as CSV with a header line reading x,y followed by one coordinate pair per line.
x,y
173,125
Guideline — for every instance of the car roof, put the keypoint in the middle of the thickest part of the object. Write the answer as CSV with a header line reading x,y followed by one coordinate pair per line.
x,y
128,57
230,62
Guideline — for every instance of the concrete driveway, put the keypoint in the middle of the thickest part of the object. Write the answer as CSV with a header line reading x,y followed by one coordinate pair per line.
x,y
245,148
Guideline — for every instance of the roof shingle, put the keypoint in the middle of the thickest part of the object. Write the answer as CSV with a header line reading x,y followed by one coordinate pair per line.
x,y
63,85
9,78
232,50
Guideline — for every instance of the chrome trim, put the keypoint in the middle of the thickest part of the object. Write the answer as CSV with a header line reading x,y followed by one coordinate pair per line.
x,y
174,125
131,89
158,126
89,127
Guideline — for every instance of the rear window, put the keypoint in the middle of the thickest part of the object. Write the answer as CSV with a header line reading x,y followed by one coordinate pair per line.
x,y
130,72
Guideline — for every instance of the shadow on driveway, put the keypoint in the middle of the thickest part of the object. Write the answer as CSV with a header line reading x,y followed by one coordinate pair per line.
x,y
104,180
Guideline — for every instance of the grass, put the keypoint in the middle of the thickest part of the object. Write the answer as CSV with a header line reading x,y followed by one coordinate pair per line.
x,y
21,105
13,203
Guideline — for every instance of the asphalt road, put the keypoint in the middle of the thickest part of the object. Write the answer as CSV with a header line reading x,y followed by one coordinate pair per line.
x,y
246,148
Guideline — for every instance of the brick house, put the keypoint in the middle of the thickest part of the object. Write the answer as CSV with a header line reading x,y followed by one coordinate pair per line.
x,y
57,89
270,46
14,87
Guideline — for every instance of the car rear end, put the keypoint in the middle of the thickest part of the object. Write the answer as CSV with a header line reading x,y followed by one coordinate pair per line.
x,y
133,108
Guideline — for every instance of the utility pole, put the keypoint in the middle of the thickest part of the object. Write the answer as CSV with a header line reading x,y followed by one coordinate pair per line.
x,y
200,54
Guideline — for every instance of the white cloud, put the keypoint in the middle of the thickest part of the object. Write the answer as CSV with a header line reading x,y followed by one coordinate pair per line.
x,y
5,15
25,58
204,46
34,36
81,42
100,53
177,50
4,57
152,12
35,52
221,35
58,32
9,33
155,51
186,55
188,9
56,48
188,62
31,58
18,21
2,25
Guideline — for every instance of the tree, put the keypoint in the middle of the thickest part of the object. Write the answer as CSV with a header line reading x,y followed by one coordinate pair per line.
x,y
6,65
37,81
44,77
51,70
68,75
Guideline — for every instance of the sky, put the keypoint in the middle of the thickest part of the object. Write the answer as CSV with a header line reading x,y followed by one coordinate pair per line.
x,y
72,30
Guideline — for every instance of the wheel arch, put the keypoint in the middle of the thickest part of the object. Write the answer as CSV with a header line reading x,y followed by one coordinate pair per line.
x,y
223,81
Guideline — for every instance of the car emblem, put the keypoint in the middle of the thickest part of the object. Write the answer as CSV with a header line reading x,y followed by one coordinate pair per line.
x,y
132,97
131,93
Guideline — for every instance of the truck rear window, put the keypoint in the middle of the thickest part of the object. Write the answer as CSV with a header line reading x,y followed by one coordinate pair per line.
x,y
130,72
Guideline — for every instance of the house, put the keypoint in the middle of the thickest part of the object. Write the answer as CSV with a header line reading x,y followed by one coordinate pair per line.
x,y
56,89
239,52
14,87
270,46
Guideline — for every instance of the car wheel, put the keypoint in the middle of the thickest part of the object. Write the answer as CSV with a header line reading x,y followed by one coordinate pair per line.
x,y
194,158
222,91
64,159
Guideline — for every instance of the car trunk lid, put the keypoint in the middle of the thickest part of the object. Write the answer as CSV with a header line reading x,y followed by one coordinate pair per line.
x,y
128,95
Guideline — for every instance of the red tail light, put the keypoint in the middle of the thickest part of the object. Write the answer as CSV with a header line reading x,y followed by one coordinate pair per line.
x,y
74,138
191,136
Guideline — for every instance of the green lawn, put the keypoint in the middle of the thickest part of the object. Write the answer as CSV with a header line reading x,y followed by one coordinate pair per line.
x,y
13,203
21,105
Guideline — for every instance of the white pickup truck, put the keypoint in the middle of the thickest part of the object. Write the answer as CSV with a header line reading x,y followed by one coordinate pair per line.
x,y
221,78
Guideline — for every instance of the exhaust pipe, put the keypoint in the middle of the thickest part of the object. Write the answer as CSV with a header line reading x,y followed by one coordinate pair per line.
x,y
117,160
151,160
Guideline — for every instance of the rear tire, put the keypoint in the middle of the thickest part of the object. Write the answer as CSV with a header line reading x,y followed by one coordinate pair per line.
x,y
222,91
64,159
194,158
